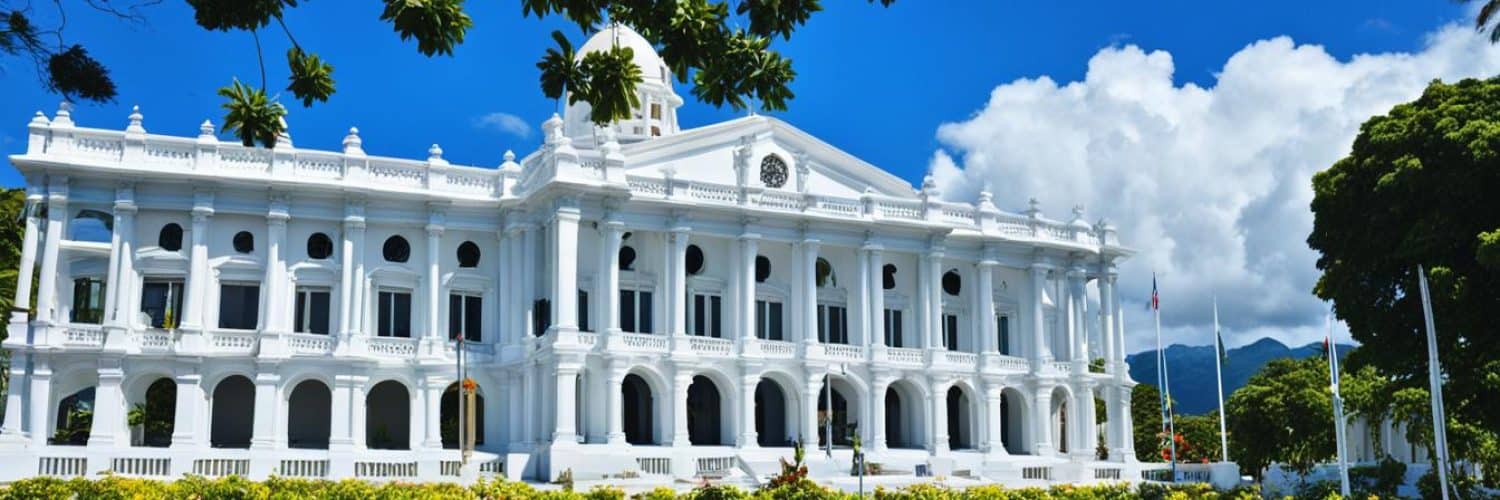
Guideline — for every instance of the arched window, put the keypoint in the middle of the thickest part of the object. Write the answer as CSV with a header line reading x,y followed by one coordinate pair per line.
x,y
952,284
170,238
468,254
694,260
762,268
888,277
824,273
319,246
91,225
244,242
627,258
396,249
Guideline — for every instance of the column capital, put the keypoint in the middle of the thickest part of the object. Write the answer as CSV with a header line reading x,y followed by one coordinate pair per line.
x,y
435,230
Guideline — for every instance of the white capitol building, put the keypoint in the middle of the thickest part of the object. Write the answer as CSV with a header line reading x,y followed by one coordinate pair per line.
x,y
670,301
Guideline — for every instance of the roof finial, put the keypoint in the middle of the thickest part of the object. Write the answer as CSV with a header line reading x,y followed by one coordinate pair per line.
x,y
136,119
435,154
1034,208
64,117
39,118
285,137
510,155
353,145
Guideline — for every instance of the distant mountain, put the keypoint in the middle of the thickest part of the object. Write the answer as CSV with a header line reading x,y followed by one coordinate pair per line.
x,y
1191,369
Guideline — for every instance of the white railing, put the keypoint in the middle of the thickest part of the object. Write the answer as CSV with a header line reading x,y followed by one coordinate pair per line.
x,y
385,470
844,352
777,349
1063,366
1012,363
779,200
1037,473
310,344
659,466
234,342
900,209
644,341
157,467
904,355
492,467
715,466
392,347
451,468
711,346
588,338
154,340
1108,473
83,335
963,359
217,467
62,466
307,468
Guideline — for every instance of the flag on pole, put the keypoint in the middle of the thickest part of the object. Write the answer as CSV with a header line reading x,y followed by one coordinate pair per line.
x,y
1155,301
1219,379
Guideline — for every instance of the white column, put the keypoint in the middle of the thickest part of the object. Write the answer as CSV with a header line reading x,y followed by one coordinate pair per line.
x,y
1039,352
433,279
198,272
607,288
530,410
57,212
354,235
192,406
432,396
566,432
109,410
677,294
39,402
1087,426
934,291
877,412
809,286
862,320
937,400
614,409
1107,320
680,383
267,411
749,250
994,429
274,317
528,268
341,429
810,396
926,310
357,414
989,341
21,307
748,382
1078,336
565,274
499,307
1041,422
15,404
112,314
124,289
876,293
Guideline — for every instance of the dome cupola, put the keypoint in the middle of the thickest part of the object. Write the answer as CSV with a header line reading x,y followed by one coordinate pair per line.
x,y
657,114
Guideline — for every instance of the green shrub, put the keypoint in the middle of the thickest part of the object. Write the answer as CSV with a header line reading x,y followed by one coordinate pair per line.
x,y
603,492
41,488
659,493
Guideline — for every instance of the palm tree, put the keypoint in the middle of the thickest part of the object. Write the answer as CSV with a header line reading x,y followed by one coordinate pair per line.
x,y
1486,15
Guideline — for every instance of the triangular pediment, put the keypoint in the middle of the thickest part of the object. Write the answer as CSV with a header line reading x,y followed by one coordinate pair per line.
x,y
708,154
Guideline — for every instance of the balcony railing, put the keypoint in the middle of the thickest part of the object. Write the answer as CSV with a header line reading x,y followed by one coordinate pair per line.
x,y
904,355
708,346
83,335
645,342
233,341
844,352
302,344
393,347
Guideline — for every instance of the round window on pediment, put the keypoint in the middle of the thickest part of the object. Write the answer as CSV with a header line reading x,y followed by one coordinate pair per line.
x,y
396,249
694,260
244,242
823,271
468,254
170,238
773,171
952,283
888,277
762,268
319,246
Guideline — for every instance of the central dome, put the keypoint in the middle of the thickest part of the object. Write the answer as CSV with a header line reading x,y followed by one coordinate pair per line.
x,y
657,114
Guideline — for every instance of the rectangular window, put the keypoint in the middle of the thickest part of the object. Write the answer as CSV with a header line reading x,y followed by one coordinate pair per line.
x,y
541,317
635,311
583,312
1003,326
704,316
465,316
893,327
312,311
239,306
950,331
88,301
655,111
162,301
768,320
833,324
394,310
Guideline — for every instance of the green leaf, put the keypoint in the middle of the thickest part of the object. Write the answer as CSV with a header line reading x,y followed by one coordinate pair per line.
x,y
311,78
226,15
612,78
251,115
73,73
438,25
560,71
777,17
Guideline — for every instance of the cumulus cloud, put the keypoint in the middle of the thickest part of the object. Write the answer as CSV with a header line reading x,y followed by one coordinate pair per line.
x,y
504,123
1211,185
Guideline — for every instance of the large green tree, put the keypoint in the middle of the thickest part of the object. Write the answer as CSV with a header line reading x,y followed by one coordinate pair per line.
x,y
722,47
1284,414
1145,416
1419,188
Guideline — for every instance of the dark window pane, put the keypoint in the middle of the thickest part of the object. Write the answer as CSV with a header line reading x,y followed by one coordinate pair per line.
x,y
239,306
318,313
822,324
583,311
714,317
455,316
776,321
473,317
698,316
627,311
402,326
299,316
760,319
383,315
645,325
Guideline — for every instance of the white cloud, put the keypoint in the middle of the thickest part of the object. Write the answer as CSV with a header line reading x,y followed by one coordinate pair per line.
x,y
505,123
1211,185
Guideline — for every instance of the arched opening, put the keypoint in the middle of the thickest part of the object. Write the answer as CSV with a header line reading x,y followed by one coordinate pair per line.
x,y
772,415
156,416
309,415
705,415
904,419
960,420
388,417
468,254
170,237
1060,420
91,225
1013,422
449,416
75,417
319,246
233,413
637,405
396,249
838,420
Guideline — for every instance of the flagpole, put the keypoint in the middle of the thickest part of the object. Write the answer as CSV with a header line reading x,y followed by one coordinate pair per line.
x,y
1219,375
1435,386
1338,409
1166,383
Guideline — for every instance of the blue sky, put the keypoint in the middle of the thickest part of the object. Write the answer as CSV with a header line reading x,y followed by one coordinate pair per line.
x,y
876,82
1194,126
